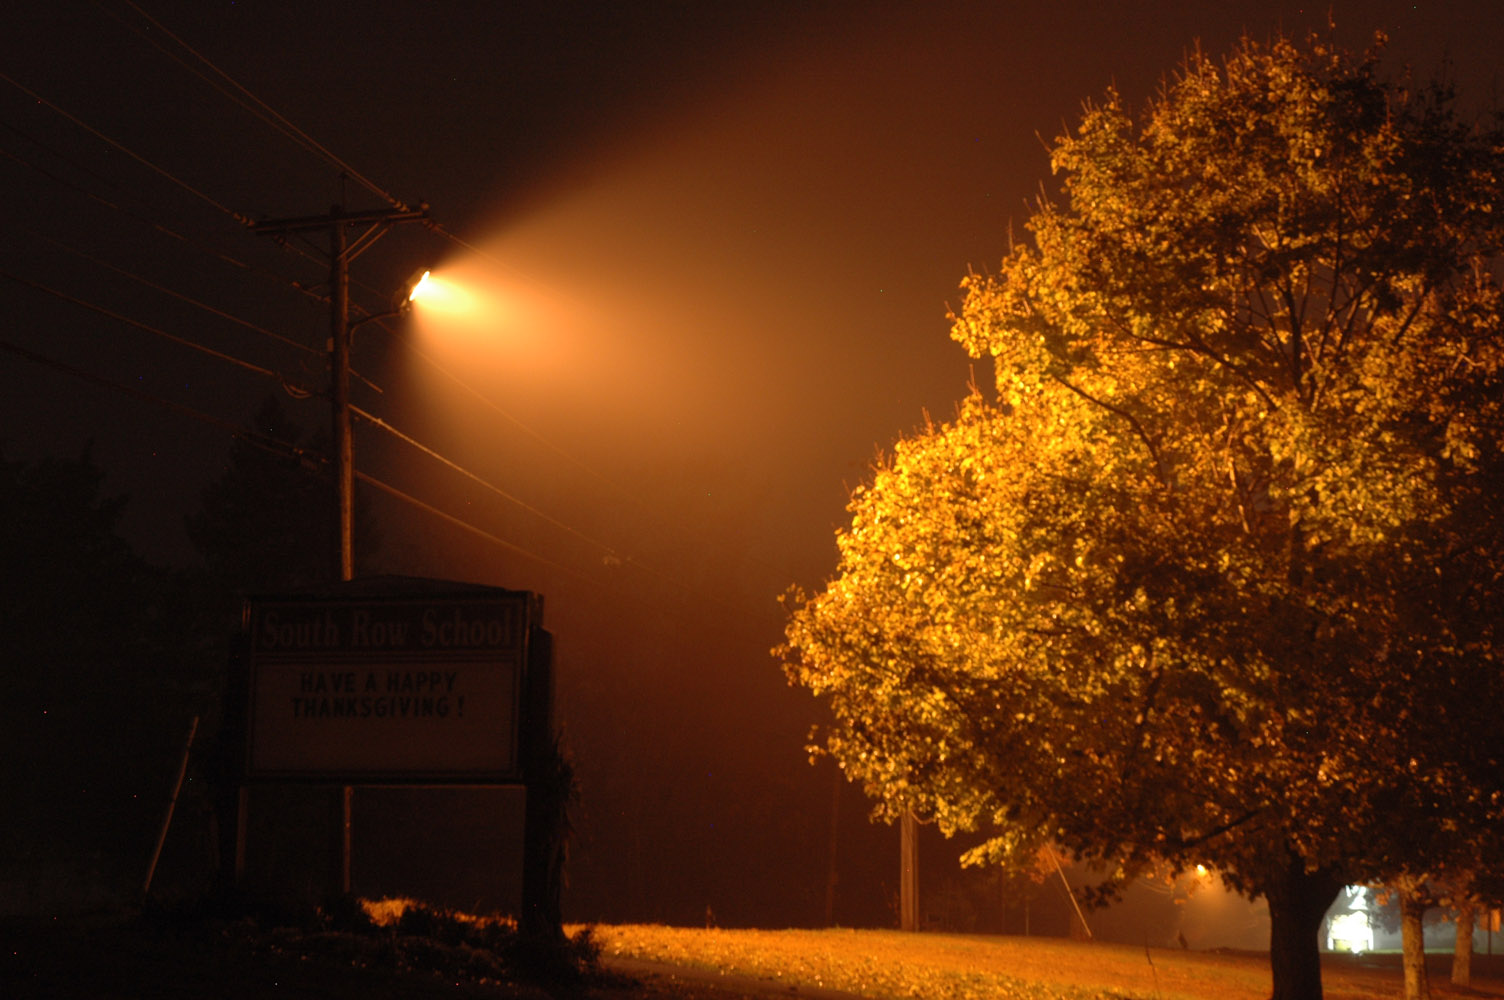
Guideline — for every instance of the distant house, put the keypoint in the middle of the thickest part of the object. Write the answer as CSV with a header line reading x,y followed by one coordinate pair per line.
x,y
1350,921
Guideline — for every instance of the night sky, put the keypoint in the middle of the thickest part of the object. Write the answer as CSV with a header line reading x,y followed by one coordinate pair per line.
x,y
710,247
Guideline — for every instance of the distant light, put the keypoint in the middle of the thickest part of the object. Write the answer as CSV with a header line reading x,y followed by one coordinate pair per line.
x,y
1201,871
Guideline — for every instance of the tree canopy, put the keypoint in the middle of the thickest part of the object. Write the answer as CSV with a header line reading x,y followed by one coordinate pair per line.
x,y
1214,576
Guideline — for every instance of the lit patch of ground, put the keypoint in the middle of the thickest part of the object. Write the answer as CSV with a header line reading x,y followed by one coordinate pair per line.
x,y
889,964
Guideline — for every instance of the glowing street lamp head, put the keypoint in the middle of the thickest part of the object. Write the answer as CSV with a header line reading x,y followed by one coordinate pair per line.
x,y
407,293
438,294
418,286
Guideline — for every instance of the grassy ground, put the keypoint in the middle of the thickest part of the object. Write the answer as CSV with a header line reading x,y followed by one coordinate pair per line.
x,y
416,954
888,964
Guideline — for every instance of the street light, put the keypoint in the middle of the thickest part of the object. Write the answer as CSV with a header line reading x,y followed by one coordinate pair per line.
x,y
343,334
418,287
402,299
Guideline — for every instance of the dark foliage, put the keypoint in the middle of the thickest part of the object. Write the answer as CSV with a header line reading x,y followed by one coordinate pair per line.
x,y
100,688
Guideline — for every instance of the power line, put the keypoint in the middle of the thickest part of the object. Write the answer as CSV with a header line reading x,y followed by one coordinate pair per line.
x,y
138,324
509,417
100,199
479,481
517,422
139,216
188,241
243,220
260,108
275,446
252,104
129,390
180,296
606,549
545,442
147,327
467,526
491,404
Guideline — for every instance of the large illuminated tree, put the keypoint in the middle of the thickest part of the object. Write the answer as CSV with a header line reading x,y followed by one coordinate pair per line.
x,y
1214,577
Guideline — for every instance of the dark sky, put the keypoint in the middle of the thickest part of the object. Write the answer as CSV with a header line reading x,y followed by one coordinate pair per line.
x,y
718,241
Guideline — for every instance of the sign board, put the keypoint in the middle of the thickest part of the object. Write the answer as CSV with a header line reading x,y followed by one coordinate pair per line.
x,y
424,689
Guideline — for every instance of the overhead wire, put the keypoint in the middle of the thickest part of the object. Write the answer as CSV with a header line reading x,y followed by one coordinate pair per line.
x,y
258,107
121,147
100,199
467,526
601,478
292,389
606,549
509,417
511,546
173,293
495,407
145,327
189,241
121,387
538,437
138,216
278,447
271,117
480,481
291,450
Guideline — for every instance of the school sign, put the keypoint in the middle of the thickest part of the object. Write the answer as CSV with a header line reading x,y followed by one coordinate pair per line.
x,y
425,688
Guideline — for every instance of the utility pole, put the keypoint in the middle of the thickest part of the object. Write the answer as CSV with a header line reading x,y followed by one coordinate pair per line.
x,y
341,252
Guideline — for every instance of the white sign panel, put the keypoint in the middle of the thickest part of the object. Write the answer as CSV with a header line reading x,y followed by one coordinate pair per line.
x,y
395,690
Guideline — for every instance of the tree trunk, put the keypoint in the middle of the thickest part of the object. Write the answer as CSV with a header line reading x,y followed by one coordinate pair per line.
x,y
908,873
1412,933
1298,901
1462,952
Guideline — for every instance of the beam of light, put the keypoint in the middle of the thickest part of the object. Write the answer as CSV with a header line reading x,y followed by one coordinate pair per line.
x,y
440,294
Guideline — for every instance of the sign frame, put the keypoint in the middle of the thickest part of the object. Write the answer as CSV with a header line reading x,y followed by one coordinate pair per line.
x,y
373,689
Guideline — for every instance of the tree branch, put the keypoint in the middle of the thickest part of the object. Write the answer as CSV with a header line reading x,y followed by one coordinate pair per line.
x,y
1134,422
